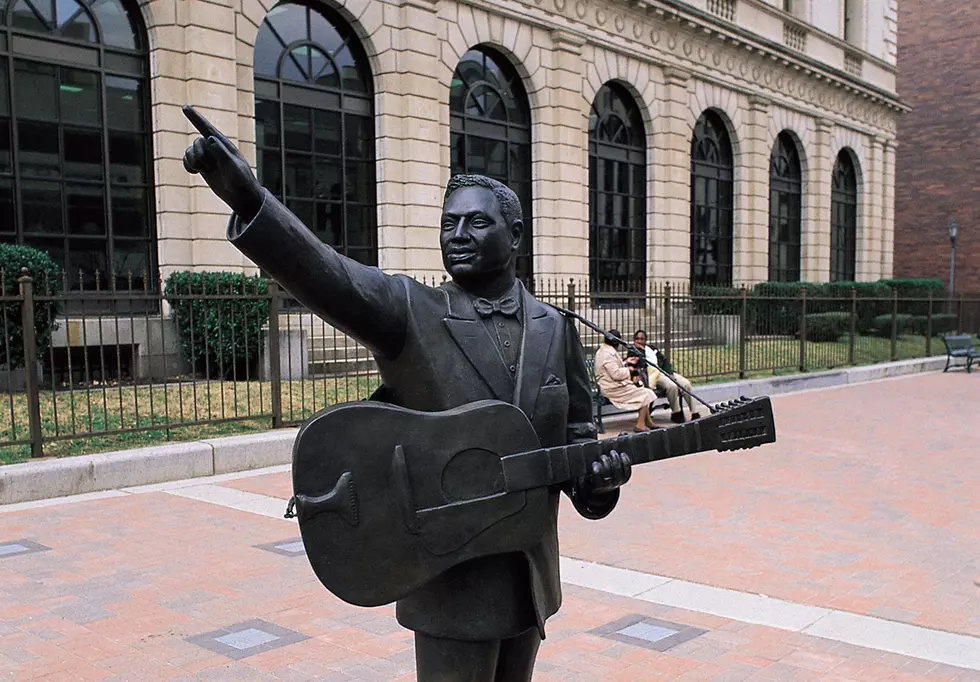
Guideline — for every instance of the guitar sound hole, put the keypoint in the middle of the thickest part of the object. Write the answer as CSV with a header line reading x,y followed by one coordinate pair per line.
x,y
471,474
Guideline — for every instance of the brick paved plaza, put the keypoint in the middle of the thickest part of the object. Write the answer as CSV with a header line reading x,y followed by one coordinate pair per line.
x,y
855,536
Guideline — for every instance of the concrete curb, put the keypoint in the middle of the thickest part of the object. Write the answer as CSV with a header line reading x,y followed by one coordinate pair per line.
x,y
46,479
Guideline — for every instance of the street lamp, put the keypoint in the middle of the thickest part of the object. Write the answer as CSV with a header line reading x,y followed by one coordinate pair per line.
x,y
952,256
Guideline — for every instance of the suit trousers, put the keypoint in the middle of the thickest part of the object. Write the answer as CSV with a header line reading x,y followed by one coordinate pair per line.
x,y
674,395
501,660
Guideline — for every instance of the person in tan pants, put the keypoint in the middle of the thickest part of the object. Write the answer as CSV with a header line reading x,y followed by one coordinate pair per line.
x,y
615,380
652,375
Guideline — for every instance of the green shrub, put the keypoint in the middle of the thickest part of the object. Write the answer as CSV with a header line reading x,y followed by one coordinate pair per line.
x,y
873,299
941,324
882,325
714,300
827,326
917,289
219,337
778,305
47,281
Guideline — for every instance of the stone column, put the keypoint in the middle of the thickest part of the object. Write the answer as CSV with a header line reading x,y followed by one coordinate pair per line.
x,y
211,86
561,225
888,210
671,211
869,228
407,150
816,224
752,239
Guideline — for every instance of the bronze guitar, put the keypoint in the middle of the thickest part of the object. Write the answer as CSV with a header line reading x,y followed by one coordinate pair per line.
x,y
387,498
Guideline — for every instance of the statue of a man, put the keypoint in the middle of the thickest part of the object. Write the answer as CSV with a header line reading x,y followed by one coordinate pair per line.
x,y
479,336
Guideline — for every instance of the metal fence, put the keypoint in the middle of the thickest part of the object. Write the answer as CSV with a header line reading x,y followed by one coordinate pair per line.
x,y
117,367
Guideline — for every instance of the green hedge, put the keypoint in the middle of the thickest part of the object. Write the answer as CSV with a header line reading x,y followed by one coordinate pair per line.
x,y
47,281
920,289
873,299
778,307
882,325
827,326
219,337
941,324
714,300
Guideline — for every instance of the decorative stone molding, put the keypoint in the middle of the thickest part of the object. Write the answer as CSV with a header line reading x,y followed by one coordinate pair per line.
x,y
794,36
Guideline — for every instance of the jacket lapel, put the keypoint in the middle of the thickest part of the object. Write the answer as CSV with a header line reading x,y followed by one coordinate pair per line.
x,y
473,339
539,334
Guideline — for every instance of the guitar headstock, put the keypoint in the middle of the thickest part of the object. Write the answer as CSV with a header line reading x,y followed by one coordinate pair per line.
x,y
744,423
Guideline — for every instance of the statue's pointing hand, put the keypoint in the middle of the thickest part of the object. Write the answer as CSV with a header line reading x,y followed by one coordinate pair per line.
x,y
608,473
223,167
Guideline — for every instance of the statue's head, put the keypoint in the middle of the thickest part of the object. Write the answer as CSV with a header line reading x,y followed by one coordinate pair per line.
x,y
481,227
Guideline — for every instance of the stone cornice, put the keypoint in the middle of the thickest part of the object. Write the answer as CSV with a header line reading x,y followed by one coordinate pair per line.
x,y
675,37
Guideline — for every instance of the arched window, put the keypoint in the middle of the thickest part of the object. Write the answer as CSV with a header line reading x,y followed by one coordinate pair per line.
x,y
314,125
785,217
490,123
843,219
617,192
75,171
711,201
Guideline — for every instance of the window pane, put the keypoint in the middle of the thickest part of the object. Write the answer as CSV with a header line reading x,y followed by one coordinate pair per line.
x,y
129,213
7,223
5,158
117,29
270,171
330,223
38,149
88,256
360,182
75,22
25,17
36,91
86,209
41,202
299,175
4,97
296,121
359,141
124,102
328,132
83,154
130,257
360,227
328,177
324,33
127,158
266,123
267,51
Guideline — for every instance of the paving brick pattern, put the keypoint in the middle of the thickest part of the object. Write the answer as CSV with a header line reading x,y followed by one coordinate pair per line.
x,y
128,582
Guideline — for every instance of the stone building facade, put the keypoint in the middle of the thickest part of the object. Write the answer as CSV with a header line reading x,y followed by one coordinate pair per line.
x,y
724,141
937,167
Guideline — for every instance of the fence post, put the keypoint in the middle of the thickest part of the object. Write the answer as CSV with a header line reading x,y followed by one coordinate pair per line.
x,y
929,328
275,371
743,320
571,294
30,363
803,329
894,324
667,329
854,311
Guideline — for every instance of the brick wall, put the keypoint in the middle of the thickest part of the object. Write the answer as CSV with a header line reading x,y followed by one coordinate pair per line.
x,y
938,165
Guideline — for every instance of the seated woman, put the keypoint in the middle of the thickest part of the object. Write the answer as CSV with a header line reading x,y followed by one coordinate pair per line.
x,y
652,376
614,378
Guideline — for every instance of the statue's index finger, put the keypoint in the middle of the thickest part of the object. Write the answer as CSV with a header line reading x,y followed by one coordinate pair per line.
x,y
203,125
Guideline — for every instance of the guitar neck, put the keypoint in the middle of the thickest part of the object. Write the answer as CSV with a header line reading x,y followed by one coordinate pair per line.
x,y
738,425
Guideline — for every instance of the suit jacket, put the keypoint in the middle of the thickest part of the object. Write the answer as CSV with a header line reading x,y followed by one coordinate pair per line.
x,y
434,353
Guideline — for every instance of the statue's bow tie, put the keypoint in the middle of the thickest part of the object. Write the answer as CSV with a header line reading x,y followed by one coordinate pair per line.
x,y
506,306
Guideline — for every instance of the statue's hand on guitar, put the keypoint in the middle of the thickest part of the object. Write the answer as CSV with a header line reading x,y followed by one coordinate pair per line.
x,y
608,473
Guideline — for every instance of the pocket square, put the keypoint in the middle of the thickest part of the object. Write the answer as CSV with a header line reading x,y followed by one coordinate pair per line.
x,y
553,381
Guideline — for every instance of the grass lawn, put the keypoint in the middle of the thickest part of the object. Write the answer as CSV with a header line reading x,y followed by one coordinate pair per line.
x,y
173,410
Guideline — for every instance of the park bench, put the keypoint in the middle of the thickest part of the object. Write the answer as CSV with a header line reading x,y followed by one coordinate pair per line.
x,y
600,401
960,347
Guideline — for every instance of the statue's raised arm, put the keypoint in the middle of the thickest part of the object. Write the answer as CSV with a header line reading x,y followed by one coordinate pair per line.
x,y
358,299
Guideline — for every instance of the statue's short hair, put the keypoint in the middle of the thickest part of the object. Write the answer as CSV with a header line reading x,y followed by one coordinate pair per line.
x,y
510,205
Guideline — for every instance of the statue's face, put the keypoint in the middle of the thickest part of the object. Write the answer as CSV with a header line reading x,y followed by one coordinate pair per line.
x,y
475,237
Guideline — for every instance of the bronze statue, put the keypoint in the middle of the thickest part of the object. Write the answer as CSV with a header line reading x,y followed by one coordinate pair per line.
x,y
441,492
480,336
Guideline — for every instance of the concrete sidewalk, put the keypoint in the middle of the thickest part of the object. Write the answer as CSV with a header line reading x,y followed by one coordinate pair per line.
x,y
844,551
51,478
